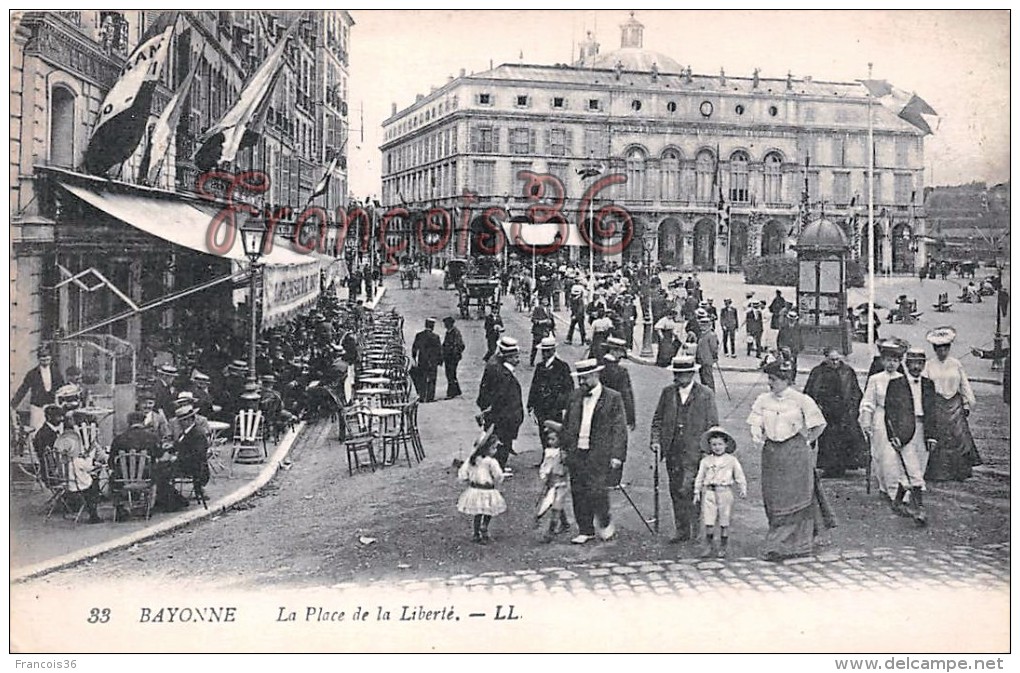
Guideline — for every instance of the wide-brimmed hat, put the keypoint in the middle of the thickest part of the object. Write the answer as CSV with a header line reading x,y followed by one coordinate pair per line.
x,y
893,347
589,366
683,364
941,336
781,369
915,353
717,431
430,321
239,365
67,391
508,345
168,369
184,411
199,377
250,395
547,343
616,342
268,378
792,315
185,395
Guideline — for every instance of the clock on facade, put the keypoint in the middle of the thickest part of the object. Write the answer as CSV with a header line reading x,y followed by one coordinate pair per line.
x,y
706,109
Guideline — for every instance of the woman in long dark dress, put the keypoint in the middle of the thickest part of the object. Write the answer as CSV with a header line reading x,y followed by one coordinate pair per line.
x,y
955,452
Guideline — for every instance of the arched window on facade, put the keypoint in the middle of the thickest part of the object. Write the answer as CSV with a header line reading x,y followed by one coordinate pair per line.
x,y
670,172
773,178
739,192
62,128
635,174
704,169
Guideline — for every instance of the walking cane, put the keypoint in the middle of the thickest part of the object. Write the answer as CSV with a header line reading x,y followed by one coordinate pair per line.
x,y
641,516
723,382
655,492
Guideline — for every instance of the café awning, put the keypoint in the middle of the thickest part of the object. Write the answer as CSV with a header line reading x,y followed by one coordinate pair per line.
x,y
180,222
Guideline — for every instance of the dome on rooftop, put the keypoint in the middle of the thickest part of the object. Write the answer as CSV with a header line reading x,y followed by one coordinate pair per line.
x,y
631,55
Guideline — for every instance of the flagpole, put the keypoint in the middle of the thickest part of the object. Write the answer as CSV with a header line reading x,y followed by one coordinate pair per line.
x,y
871,221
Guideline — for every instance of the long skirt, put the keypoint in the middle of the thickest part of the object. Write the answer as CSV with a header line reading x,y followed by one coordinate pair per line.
x,y
667,350
955,452
788,491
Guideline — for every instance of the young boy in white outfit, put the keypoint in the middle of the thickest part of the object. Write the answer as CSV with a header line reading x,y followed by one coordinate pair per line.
x,y
718,471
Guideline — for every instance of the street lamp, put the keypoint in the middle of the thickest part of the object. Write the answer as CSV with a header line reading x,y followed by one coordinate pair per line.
x,y
648,243
253,238
591,169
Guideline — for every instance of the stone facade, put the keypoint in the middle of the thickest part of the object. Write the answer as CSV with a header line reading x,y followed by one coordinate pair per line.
x,y
670,132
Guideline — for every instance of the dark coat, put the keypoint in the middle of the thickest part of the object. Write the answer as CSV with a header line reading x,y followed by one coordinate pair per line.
x,y
753,322
165,396
135,438
899,410
617,378
702,415
789,337
728,318
453,345
43,440
608,437
550,389
192,450
501,394
928,406
427,350
38,396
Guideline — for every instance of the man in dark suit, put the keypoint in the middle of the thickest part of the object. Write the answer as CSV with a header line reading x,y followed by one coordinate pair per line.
x,y
551,385
833,386
45,436
137,437
40,383
499,398
754,325
923,390
686,409
730,321
789,337
453,350
616,377
164,389
776,307
191,451
427,353
594,442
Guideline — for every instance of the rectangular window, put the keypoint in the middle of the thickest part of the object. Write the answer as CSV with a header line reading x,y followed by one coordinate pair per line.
x,y
557,142
903,184
903,151
838,151
596,142
485,99
813,194
558,102
593,104
482,180
522,141
522,101
877,186
809,113
841,188
559,171
515,168
483,140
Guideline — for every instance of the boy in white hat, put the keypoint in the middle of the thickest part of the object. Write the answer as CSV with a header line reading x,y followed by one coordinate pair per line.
x,y
718,472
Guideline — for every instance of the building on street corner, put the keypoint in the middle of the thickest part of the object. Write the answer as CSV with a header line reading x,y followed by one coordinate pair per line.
x,y
717,165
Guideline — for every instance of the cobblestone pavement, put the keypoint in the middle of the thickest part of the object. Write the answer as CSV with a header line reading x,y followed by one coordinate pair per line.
x,y
881,568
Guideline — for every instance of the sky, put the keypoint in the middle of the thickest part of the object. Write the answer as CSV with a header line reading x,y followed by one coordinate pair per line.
x,y
958,61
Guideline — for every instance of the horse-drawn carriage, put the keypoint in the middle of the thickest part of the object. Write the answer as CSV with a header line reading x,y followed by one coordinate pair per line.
x,y
410,278
478,292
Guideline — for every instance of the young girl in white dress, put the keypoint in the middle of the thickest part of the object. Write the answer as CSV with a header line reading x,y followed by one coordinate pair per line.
x,y
482,498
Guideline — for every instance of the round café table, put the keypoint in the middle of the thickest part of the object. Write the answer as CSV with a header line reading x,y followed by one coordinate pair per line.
x,y
374,381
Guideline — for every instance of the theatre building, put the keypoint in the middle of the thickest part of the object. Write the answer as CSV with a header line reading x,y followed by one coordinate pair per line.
x,y
678,137
115,272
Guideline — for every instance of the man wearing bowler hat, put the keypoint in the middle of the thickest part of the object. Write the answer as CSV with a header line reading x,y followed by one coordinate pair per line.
x,y
191,449
594,441
453,350
685,411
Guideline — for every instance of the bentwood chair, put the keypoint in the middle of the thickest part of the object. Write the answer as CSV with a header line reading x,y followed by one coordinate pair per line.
x,y
359,437
132,484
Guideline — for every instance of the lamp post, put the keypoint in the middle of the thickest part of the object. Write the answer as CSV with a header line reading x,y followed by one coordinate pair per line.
x,y
591,169
253,238
648,243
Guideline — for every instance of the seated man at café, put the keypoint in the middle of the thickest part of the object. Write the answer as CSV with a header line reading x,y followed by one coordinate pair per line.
x,y
189,458
155,420
176,429
276,417
199,389
45,436
138,437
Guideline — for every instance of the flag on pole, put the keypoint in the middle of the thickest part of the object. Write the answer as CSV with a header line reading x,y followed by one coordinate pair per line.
x,y
125,110
163,132
908,106
241,126
323,185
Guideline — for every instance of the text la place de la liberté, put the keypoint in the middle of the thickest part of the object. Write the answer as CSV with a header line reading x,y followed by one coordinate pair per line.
x,y
319,614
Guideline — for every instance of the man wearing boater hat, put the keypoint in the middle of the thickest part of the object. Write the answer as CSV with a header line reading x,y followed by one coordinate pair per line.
x,y
40,384
551,385
686,410
889,422
500,400
594,442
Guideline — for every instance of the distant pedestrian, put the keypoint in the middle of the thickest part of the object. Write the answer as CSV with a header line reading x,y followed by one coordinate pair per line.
x,y
754,326
453,350
718,472
730,321
493,327
427,353
482,499
776,308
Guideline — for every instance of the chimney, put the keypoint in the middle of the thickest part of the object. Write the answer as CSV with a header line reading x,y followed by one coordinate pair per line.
x,y
463,72
449,78
419,97
393,109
